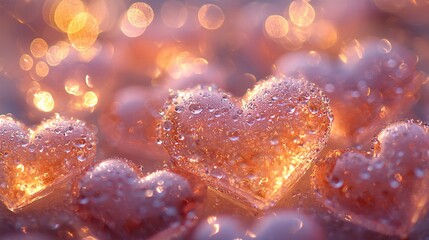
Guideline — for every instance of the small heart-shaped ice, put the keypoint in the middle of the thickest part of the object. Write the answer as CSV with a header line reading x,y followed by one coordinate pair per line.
x,y
385,191
34,160
370,84
134,206
252,149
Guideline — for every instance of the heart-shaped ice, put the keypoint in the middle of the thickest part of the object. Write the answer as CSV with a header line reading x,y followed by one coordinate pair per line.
x,y
368,85
252,149
134,206
385,191
34,160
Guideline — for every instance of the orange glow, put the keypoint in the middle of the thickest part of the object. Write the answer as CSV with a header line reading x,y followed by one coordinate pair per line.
x,y
38,47
72,87
130,30
211,16
323,34
25,62
83,31
54,55
276,26
66,11
90,99
301,13
42,69
44,101
140,15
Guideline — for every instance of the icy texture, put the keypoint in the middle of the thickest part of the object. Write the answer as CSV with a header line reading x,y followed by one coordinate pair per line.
x,y
34,160
251,149
385,191
133,206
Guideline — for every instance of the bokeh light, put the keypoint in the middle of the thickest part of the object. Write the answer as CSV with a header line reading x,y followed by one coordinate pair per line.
x,y
90,99
25,62
140,14
38,47
174,14
83,31
301,13
42,69
276,26
66,11
211,16
44,101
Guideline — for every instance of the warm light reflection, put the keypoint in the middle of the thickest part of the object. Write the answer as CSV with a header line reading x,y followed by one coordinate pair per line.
x,y
130,30
26,62
42,69
72,87
54,56
38,47
174,14
83,31
66,11
301,13
211,16
353,53
276,26
140,15
90,99
384,46
44,101
323,34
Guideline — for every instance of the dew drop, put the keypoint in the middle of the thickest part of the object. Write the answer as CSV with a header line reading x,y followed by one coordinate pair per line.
x,y
274,141
419,172
179,109
335,182
234,136
195,108
168,125
394,184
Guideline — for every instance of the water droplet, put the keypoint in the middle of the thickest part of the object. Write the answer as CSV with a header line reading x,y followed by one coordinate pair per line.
x,y
274,141
84,201
81,157
179,109
335,182
168,125
80,143
195,108
234,136
394,184
364,175
419,172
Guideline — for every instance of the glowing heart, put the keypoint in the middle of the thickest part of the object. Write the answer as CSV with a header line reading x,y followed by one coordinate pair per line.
x,y
252,149
370,84
134,206
274,226
34,160
385,191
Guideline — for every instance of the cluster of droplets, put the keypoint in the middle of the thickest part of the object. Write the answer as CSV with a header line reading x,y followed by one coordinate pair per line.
x,y
368,85
115,193
33,160
252,148
383,191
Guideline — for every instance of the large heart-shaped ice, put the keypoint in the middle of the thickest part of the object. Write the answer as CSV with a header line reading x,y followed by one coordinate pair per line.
x,y
33,160
252,149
